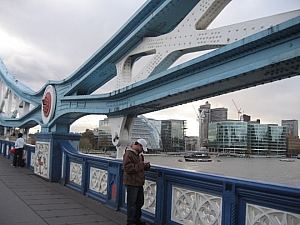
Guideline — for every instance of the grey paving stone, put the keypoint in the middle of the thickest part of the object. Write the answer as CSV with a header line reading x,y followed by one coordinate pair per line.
x,y
26,199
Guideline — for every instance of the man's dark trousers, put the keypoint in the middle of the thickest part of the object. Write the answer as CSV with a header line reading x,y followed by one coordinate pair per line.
x,y
135,202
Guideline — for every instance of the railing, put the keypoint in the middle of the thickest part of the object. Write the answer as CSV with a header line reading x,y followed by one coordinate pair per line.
x,y
6,145
174,196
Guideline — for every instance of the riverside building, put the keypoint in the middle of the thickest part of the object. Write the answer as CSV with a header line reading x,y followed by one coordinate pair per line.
x,y
209,116
241,137
173,135
291,126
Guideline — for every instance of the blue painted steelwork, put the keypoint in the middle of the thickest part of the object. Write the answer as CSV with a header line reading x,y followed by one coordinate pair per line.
x,y
236,196
258,59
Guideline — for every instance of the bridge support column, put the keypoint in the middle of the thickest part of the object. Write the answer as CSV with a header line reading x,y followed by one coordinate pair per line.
x,y
6,133
121,129
48,156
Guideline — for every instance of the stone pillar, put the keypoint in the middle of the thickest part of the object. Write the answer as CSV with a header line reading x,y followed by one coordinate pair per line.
x,y
48,157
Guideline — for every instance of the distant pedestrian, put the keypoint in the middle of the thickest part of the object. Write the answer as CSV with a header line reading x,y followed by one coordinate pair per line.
x,y
134,179
19,147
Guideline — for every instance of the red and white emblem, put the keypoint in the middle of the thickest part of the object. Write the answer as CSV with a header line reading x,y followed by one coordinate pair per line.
x,y
48,104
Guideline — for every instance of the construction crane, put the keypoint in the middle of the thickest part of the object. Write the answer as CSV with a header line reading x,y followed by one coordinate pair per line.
x,y
239,111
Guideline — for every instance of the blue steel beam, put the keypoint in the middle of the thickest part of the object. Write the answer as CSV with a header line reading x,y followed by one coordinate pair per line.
x,y
264,57
153,19
19,88
29,120
234,67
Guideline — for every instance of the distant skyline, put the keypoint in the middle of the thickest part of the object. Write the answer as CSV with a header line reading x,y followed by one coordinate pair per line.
x,y
49,40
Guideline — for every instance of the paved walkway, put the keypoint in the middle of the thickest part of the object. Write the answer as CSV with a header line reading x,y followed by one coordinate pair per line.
x,y
26,199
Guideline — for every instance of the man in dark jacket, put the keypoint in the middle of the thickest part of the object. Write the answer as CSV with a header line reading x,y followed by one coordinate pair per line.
x,y
134,179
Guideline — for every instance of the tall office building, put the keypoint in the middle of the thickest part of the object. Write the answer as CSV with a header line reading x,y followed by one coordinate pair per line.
x,y
291,126
204,112
104,136
218,114
173,135
209,116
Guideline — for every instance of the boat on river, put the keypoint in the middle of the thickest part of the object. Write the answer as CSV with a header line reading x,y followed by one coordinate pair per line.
x,y
196,157
287,160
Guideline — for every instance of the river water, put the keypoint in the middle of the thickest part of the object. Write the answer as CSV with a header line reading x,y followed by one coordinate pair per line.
x,y
259,169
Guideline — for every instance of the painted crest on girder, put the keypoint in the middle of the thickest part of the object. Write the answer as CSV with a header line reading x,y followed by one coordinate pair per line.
x,y
48,104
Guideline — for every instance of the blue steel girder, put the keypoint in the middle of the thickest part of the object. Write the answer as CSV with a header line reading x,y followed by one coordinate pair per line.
x,y
29,120
18,88
155,18
266,56
24,99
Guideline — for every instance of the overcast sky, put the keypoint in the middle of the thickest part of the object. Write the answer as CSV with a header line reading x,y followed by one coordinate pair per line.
x,y
50,39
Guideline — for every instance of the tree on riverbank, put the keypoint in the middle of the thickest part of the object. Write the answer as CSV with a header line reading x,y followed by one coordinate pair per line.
x,y
87,141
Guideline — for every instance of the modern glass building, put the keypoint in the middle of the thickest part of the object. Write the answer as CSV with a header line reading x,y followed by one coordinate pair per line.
x,y
104,136
142,128
210,116
228,136
240,137
173,134
258,138
277,140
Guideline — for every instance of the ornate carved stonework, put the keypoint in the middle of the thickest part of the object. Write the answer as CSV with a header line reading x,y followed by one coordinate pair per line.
x,y
98,180
150,196
40,160
256,214
191,207
76,173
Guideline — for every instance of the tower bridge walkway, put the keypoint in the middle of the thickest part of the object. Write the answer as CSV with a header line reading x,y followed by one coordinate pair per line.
x,y
242,55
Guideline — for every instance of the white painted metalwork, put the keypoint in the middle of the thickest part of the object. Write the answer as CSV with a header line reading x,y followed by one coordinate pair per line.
x,y
190,35
40,160
121,129
98,180
256,214
192,207
11,104
76,173
150,196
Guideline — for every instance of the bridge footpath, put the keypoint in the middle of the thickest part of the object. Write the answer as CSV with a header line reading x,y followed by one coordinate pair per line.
x,y
28,199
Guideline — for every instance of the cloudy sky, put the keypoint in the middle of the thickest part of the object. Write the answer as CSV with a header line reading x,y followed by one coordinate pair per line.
x,y
50,39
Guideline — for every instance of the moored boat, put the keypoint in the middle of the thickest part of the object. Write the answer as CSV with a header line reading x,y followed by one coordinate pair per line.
x,y
197,158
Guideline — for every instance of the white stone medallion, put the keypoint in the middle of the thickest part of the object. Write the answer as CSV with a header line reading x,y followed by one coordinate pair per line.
x,y
48,104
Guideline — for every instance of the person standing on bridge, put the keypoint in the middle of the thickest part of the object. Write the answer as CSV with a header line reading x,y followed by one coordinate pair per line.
x,y
134,179
19,147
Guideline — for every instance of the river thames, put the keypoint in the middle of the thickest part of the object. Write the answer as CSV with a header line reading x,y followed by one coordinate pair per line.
x,y
259,169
